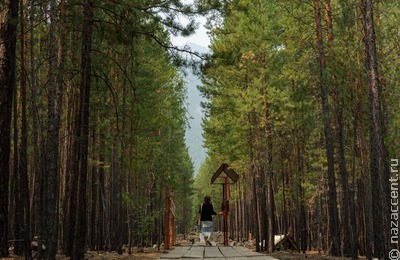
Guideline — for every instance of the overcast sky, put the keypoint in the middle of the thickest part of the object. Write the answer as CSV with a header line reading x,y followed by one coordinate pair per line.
x,y
194,138
200,37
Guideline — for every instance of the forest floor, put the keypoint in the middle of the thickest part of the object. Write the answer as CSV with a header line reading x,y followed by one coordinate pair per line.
x,y
313,255
148,254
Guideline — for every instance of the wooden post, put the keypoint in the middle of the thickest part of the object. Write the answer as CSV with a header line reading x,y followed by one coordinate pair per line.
x,y
169,219
167,230
231,174
225,202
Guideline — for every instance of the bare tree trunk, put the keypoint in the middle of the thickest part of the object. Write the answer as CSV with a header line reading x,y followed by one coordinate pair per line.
x,y
72,165
269,183
348,247
364,195
53,134
8,40
23,191
303,216
333,212
37,167
71,185
254,200
101,206
379,175
83,132
15,196
93,216
113,198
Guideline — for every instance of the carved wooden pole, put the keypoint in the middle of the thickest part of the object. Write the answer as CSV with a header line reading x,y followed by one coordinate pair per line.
x,y
167,230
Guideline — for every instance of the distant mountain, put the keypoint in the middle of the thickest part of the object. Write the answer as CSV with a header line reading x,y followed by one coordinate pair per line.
x,y
194,134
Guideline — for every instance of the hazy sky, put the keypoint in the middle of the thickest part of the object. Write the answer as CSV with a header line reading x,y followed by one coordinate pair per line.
x,y
200,37
194,138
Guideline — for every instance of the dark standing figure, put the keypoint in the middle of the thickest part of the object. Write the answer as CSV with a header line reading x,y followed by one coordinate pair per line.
x,y
206,211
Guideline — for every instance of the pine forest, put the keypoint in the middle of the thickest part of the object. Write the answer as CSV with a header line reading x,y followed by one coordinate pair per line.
x,y
302,102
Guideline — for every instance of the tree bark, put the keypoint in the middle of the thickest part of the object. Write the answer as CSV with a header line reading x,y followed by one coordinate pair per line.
x,y
15,212
23,182
101,221
53,134
83,131
93,211
379,176
348,246
37,167
333,212
254,200
8,30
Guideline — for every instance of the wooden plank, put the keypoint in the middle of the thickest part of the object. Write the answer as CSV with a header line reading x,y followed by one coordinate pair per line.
x,y
229,172
212,252
194,252
244,251
218,172
262,257
177,253
228,251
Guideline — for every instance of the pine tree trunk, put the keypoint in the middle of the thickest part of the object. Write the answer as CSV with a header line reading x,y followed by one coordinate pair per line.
x,y
37,152
333,212
15,195
23,191
72,164
379,175
93,212
348,246
364,201
268,170
113,199
101,201
54,113
8,16
269,184
83,132
303,216
254,200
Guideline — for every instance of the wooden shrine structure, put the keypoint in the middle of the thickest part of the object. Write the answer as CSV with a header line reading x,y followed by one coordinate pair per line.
x,y
169,219
228,174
